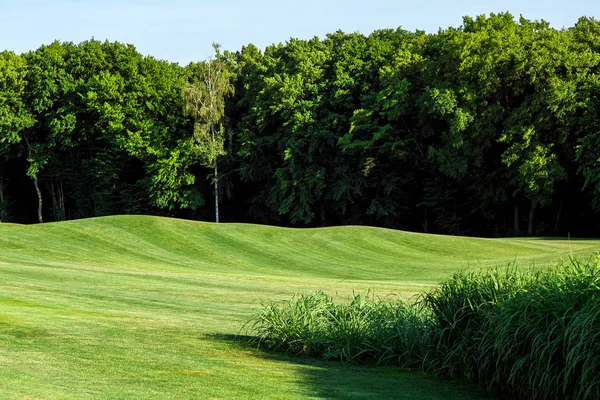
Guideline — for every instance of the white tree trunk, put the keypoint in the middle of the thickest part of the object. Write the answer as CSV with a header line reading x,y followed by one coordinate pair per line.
x,y
39,195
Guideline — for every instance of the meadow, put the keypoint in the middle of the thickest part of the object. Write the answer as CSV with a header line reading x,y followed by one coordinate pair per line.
x,y
146,307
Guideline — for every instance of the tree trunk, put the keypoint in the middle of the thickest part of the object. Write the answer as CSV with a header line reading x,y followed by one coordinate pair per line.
x,y
54,201
425,221
58,201
558,215
322,213
216,193
61,201
516,220
35,183
39,195
531,219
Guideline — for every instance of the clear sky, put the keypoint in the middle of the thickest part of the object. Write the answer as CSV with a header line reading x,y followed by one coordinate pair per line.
x,y
183,30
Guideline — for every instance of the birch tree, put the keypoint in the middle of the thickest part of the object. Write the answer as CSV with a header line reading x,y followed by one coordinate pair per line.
x,y
205,96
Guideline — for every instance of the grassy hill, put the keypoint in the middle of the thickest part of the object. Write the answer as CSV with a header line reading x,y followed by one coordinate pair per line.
x,y
146,307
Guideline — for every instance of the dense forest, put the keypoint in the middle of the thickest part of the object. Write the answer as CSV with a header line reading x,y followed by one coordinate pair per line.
x,y
490,129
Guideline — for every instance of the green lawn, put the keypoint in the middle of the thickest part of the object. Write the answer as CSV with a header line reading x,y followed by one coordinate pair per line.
x,y
148,308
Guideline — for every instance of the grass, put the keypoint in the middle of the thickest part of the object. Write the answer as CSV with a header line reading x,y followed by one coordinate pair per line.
x,y
530,334
144,307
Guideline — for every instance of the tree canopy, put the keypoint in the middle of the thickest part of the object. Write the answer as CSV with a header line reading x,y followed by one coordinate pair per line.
x,y
491,128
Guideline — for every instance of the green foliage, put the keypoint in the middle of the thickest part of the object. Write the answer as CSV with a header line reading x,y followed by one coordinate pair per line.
x,y
14,115
292,89
107,119
454,132
172,184
366,329
205,93
208,86
531,334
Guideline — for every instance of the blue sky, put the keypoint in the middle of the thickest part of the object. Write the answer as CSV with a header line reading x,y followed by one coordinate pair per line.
x,y
183,30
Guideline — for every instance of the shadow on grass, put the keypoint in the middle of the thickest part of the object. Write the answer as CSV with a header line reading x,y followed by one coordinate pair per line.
x,y
335,380
559,238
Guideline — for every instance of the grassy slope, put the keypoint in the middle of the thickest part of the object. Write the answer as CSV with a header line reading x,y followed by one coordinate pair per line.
x,y
143,307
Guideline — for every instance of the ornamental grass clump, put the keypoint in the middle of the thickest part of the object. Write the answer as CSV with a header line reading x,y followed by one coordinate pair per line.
x,y
534,334
543,341
366,329
459,307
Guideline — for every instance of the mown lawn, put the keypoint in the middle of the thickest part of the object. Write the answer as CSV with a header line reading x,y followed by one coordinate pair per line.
x,y
148,308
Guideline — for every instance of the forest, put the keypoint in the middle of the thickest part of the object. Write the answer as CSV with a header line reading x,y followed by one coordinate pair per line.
x,y
489,129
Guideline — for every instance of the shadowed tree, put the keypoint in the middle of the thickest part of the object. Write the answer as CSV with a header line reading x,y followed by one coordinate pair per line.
x,y
14,115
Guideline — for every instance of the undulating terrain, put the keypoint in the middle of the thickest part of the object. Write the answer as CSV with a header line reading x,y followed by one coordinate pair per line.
x,y
148,307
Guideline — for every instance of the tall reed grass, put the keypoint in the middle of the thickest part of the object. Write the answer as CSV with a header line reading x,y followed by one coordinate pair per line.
x,y
535,334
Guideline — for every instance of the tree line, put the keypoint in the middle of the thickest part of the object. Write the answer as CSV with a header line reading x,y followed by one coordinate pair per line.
x,y
491,128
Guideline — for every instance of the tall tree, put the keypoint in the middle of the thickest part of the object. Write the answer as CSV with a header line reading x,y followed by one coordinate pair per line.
x,y
382,129
50,85
587,122
14,115
205,98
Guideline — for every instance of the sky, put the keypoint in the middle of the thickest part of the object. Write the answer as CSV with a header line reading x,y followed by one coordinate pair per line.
x,y
184,30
